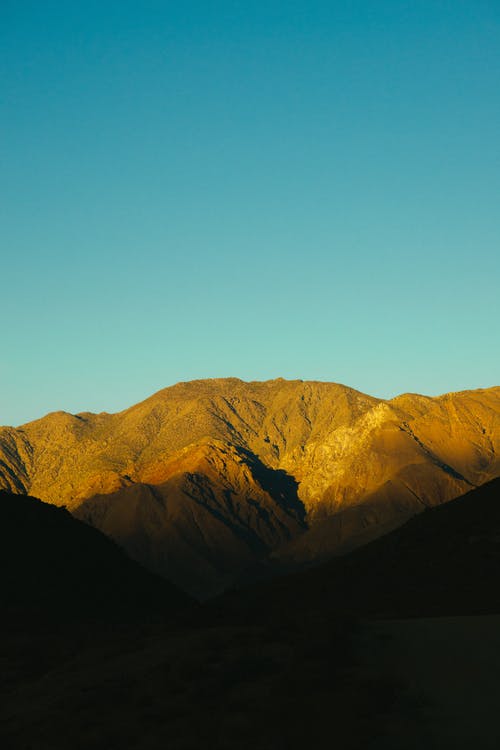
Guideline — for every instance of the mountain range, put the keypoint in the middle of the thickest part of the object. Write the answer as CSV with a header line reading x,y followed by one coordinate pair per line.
x,y
207,479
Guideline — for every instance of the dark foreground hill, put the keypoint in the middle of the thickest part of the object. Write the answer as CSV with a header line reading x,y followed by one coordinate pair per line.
x,y
57,568
445,561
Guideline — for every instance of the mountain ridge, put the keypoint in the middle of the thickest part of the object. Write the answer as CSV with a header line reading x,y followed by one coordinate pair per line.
x,y
269,467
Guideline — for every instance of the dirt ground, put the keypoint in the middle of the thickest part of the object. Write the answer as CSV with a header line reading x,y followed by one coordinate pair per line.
x,y
447,673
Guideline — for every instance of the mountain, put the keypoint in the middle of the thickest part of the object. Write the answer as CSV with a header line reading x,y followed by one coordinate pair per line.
x,y
204,479
53,567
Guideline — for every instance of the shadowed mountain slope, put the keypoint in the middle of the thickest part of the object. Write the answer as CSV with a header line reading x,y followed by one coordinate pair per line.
x,y
55,567
444,561
205,478
218,512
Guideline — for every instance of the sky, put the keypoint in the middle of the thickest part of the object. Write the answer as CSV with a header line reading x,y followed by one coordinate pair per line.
x,y
254,189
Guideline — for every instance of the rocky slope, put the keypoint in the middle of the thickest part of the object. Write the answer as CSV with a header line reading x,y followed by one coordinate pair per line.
x,y
205,478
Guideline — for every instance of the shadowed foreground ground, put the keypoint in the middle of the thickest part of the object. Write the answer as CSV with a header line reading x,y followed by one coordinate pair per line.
x,y
211,687
428,683
447,672
320,659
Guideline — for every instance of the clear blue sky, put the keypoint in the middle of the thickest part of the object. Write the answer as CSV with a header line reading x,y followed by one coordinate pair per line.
x,y
259,189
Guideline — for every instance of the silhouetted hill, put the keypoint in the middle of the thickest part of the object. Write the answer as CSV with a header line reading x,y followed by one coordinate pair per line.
x,y
55,567
445,561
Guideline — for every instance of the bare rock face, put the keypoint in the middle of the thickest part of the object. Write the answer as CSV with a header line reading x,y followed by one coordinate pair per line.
x,y
208,477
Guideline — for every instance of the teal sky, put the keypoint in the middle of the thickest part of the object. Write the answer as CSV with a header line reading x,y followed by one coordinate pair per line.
x,y
259,189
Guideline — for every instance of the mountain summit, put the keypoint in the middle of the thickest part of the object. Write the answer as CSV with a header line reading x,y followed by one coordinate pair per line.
x,y
207,478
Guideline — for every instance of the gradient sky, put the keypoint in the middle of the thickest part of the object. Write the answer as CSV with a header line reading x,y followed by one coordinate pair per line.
x,y
260,189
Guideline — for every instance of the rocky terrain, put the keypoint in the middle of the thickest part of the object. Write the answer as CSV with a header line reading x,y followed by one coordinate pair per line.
x,y
205,479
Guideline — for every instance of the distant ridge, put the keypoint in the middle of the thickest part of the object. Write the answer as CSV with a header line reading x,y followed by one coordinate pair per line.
x,y
206,478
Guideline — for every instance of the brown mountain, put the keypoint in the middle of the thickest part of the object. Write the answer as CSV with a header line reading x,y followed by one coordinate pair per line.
x,y
205,478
